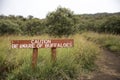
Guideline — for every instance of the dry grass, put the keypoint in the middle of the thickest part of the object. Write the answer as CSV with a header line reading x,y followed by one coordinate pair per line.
x,y
71,62
109,41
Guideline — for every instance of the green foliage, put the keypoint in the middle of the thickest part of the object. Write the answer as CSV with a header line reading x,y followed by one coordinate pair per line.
x,y
8,27
109,41
71,62
112,25
33,27
60,22
100,22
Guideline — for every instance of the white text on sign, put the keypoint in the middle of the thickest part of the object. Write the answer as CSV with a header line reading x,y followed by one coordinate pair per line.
x,y
63,43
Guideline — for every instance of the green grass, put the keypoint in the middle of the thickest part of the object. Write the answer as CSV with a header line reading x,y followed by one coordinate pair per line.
x,y
70,65
109,41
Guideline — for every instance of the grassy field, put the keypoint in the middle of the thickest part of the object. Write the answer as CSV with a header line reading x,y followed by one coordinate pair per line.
x,y
71,64
15,64
108,41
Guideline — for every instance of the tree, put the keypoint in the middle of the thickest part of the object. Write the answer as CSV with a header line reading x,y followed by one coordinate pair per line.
x,y
112,25
60,22
8,27
33,27
30,17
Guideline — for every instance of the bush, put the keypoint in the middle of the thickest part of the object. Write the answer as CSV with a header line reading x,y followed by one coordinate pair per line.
x,y
60,22
34,27
8,27
112,25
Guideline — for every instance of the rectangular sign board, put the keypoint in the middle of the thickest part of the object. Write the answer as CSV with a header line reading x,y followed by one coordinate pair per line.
x,y
57,43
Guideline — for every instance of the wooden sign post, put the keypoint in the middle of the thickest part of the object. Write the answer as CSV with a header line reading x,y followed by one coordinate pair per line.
x,y
34,57
53,55
35,44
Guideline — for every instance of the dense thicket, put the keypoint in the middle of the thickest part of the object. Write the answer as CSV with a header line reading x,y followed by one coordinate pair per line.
x,y
100,22
61,22
111,25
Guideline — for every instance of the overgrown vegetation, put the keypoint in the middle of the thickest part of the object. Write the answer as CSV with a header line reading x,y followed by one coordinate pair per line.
x,y
15,64
61,22
71,62
109,41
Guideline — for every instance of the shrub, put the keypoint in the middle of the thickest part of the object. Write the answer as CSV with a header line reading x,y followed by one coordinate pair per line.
x,y
60,22
8,27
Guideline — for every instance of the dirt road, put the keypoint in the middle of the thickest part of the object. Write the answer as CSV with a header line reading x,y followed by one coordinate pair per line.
x,y
108,67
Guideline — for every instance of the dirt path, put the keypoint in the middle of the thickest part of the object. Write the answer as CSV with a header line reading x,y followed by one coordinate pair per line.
x,y
108,67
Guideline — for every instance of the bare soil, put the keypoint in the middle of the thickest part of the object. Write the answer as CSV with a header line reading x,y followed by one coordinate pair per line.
x,y
108,67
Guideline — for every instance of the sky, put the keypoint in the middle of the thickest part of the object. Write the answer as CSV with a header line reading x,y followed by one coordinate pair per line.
x,y
40,8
